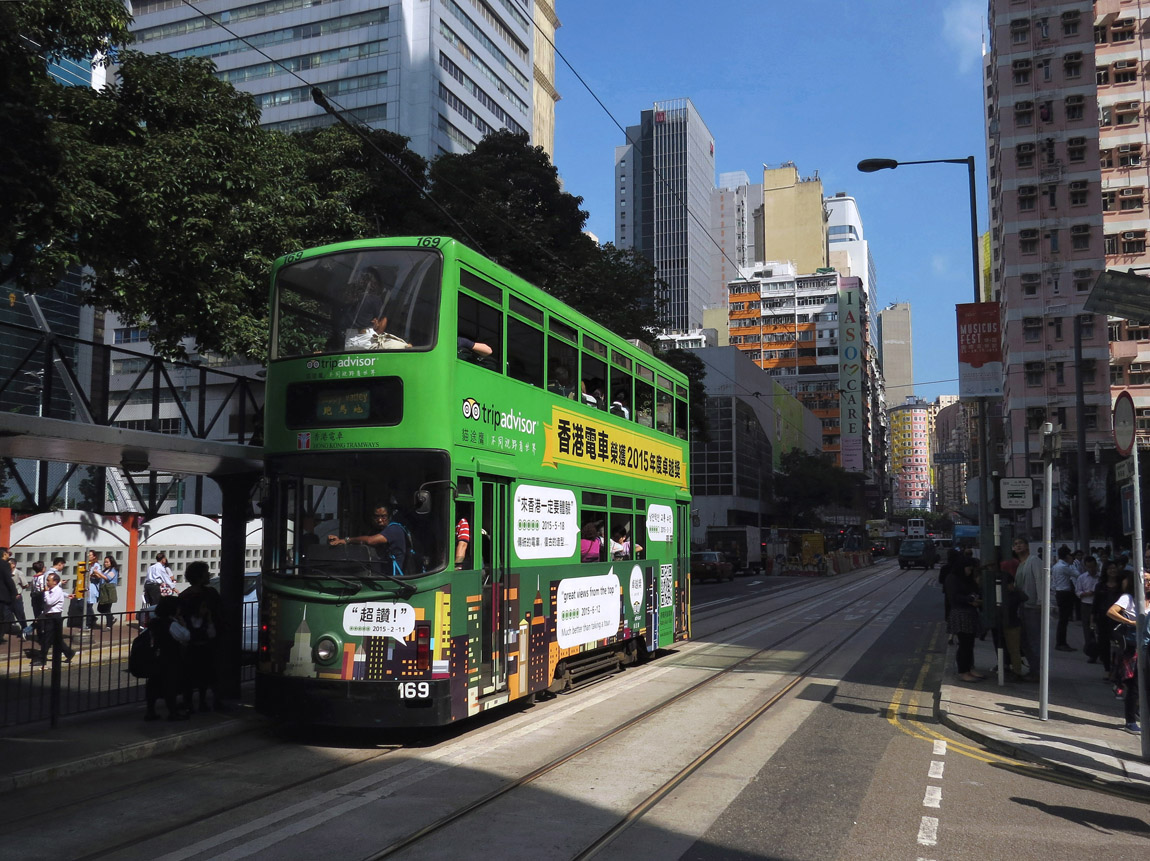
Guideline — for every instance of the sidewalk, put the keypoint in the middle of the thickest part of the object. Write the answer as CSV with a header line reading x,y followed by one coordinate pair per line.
x,y
1084,732
1083,735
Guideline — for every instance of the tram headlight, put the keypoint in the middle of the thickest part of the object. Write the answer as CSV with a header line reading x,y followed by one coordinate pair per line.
x,y
326,650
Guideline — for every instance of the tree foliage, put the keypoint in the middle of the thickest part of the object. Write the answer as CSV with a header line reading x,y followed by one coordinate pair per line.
x,y
807,482
165,186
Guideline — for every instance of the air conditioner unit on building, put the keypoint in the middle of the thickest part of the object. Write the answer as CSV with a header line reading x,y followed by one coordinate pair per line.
x,y
1129,234
1124,148
1124,64
1130,192
1080,228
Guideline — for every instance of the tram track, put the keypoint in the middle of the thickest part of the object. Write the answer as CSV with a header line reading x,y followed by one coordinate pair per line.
x,y
242,841
817,659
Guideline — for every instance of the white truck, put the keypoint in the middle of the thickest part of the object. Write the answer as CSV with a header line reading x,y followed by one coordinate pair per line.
x,y
742,545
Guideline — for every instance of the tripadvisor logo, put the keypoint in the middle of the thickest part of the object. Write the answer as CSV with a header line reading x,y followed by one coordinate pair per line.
x,y
511,420
346,362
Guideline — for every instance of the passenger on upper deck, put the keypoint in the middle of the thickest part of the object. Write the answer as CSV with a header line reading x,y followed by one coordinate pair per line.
x,y
561,384
473,351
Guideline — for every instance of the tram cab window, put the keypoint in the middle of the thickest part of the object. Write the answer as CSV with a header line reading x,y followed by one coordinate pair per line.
x,y
358,300
327,498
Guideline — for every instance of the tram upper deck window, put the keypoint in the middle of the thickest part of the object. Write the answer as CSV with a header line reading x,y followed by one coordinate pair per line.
x,y
357,301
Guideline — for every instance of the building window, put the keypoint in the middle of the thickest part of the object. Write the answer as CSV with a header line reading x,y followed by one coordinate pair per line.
x,y
1032,329
1125,76
1130,155
1100,34
1076,149
1080,237
1024,114
1130,198
1019,31
1027,197
1122,31
1134,242
1109,201
1050,192
1030,282
1070,21
1078,193
1102,75
1105,116
1024,155
1021,69
130,335
1075,107
1106,158
1087,325
1090,417
1052,241
1083,279
1028,242
1126,113
1139,374
1060,373
1111,246
1033,374
1072,65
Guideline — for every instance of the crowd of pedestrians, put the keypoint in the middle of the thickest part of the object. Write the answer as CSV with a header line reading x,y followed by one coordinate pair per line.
x,y
185,627
1096,589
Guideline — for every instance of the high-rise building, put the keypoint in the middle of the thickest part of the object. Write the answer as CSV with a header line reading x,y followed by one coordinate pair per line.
x,y
910,434
810,333
664,180
1067,198
735,205
949,450
443,74
794,222
895,351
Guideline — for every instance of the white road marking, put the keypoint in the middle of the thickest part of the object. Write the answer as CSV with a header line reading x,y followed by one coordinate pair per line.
x,y
939,747
936,767
933,797
928,831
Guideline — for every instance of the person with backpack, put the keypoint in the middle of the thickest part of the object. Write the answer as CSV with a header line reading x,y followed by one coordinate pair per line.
x,y
390,541
202,611
168,636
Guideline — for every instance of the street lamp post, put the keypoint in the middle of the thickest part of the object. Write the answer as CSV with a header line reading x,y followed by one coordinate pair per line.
x,y
986,540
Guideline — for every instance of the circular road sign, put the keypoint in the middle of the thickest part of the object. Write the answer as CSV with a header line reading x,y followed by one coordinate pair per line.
x,y
1124,425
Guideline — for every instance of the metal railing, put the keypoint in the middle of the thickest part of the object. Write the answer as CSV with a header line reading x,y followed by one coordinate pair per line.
x,y
37,683
58,376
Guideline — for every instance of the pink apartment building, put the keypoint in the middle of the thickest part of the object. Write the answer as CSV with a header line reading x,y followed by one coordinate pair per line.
x,y
1064,111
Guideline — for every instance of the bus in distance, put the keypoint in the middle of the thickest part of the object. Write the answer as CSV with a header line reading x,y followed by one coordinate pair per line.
x,y
473,492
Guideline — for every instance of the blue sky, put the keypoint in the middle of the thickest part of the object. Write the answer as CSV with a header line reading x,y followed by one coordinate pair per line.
x,y
823,84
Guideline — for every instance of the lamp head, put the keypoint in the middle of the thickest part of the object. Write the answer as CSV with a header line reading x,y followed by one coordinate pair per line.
x,y
870,165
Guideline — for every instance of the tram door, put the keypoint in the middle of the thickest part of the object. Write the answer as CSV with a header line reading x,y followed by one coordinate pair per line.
x,y
495,547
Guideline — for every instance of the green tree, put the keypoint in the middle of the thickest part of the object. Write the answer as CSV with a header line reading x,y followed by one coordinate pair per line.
x,y
177,200
807,481
34,33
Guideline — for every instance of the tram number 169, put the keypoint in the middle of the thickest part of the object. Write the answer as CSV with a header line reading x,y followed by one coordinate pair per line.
x,y
414,690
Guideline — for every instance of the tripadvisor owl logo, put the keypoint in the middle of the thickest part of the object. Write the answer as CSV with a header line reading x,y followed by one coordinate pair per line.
x,y
511,420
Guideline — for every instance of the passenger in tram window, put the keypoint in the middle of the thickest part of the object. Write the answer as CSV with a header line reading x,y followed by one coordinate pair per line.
x,y
463,536
561,382
621,544
619,405
591,545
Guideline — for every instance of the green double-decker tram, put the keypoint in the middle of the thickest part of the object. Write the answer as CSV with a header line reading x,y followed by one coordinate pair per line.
x,y
475,493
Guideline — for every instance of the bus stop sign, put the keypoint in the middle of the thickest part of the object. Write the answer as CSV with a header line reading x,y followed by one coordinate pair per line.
x,y
1124,424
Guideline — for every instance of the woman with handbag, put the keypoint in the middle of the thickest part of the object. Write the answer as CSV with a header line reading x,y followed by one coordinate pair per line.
x,y
964,623
95,580
1123,613
108,591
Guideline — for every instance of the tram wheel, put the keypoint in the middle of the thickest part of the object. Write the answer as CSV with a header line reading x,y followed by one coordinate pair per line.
x,y
562,679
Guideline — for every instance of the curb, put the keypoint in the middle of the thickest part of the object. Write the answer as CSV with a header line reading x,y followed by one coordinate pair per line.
x,y
127,753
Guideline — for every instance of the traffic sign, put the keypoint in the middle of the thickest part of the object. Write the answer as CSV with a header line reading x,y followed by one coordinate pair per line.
x,y
1124,469
1016,493
1124,424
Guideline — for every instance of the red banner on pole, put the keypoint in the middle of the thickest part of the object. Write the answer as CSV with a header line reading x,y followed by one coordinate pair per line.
x,y
979,350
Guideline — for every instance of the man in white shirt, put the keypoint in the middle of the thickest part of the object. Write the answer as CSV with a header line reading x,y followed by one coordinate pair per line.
x,y
158,579
1062,578
51,623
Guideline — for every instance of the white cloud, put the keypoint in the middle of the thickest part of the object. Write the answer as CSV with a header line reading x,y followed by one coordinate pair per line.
x,y
962,29
940,264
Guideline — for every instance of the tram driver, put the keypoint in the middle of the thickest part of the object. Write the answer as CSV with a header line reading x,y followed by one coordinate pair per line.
x,y
390,541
